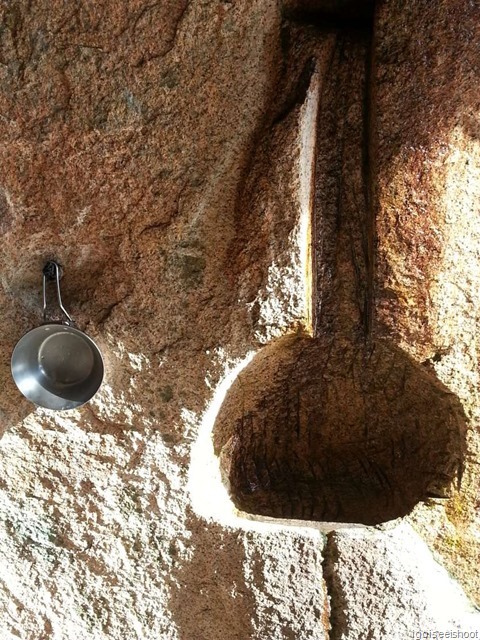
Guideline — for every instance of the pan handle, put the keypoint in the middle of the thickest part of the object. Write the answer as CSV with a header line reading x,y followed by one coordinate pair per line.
x,y
51,271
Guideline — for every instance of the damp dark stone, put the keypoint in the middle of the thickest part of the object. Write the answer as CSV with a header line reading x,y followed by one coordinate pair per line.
x,y
311,430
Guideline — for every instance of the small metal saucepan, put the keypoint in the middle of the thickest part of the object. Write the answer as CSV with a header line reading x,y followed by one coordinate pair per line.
x,y
56,365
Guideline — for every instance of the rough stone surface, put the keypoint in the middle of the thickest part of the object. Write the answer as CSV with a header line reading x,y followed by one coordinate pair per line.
x,y
133,137
426,181
126,130
338,426
385,584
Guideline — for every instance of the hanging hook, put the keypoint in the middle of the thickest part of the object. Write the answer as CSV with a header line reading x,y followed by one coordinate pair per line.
x,y
51,271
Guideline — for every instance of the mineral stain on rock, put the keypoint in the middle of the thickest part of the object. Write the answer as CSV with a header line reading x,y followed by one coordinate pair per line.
x,y
166,393
191,269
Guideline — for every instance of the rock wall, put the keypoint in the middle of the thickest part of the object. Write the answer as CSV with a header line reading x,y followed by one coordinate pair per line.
x,y
426,154
157,151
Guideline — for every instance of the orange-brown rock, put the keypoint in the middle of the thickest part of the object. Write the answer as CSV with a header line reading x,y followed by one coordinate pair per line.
x,y
159,152
425,158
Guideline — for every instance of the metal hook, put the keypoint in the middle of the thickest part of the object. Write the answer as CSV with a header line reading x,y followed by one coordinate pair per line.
x,y
51,271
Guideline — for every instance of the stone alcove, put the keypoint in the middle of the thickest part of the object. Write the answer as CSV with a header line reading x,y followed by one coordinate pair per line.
x,y
312,432
336,423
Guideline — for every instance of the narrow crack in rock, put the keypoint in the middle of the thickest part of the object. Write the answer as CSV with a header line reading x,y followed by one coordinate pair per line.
x,y
336,598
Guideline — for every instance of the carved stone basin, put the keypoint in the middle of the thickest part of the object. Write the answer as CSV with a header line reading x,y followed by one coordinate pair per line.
x,y
341,426
319,431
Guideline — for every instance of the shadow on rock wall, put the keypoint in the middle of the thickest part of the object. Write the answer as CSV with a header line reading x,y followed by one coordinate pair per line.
x,y
315,431
206,602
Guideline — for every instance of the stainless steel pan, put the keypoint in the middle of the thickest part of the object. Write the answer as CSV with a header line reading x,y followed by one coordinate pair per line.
x,y
56,365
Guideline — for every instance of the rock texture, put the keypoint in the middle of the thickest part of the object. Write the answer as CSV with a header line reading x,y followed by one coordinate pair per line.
x,y
391,575
426,154
337,426
126,130
154,150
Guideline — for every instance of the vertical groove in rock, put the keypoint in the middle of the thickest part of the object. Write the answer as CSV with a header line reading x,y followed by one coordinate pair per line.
x,y
338,602
340,213
368,179
334,427
384,583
